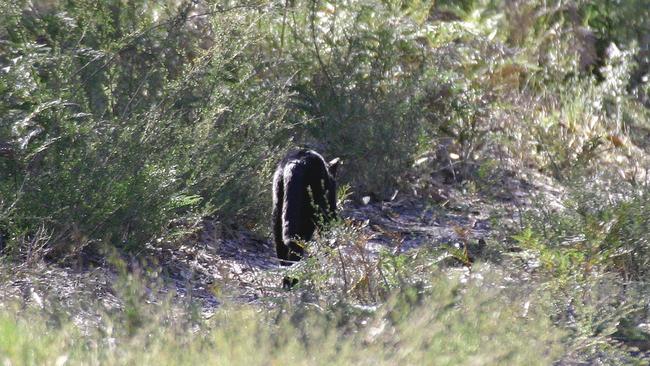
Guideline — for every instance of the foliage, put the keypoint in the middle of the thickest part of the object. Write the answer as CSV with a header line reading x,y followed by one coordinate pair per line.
x,y
120,119
123,118
600,229
463,323
593,256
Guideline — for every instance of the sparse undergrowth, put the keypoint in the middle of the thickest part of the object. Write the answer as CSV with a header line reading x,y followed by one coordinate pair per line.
x,y
471,322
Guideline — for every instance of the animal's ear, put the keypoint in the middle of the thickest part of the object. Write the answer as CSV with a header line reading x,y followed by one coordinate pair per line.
x,y
333,165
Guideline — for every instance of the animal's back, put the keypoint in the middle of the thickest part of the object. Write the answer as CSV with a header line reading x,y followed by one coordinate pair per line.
x,y
303,190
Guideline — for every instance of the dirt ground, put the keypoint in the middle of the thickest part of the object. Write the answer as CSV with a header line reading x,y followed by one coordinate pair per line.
x,y
218,264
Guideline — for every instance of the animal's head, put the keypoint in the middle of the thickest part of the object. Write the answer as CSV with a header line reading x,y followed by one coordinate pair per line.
x,y
333,165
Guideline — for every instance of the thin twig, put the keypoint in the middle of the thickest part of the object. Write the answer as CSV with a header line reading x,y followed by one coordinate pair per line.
x,y
320,60
343,270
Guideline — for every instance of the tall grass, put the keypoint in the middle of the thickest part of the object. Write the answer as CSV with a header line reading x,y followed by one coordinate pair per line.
x,y
445,323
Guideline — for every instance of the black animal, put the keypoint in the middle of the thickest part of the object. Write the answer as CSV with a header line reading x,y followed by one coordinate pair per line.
x,y
304,196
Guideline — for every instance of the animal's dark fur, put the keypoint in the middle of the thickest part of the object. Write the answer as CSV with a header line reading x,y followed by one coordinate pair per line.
x,y
304,195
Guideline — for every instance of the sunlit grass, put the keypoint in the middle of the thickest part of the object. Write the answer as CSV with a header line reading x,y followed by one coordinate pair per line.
x,y
444,323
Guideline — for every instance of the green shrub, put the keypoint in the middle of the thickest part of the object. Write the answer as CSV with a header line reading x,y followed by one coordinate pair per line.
x,y
592,257
602,228
356,70
124,117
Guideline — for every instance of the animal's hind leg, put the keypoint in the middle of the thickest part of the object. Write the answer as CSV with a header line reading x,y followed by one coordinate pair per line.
x,y
296,252
278,202
283,254
289,282
293,212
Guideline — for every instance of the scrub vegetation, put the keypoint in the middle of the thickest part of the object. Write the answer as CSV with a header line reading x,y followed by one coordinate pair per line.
x,y
494,192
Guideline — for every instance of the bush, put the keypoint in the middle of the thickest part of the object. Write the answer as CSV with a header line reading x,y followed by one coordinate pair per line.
x,y
356,70
122,118
602,228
